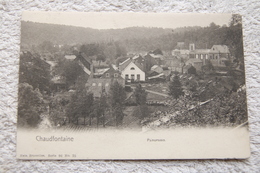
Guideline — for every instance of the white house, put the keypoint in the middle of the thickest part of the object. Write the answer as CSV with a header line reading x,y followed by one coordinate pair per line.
x,y
133,72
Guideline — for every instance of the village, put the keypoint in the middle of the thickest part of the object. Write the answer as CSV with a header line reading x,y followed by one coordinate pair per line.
x,y
203,73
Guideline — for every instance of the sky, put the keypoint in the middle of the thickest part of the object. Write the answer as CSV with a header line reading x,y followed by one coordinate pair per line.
x,y
104,20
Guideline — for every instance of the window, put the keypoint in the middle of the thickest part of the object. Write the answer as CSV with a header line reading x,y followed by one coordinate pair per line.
x,y
99,84
132,76
94,84
132,68
126,76
107,75
115,75
138,77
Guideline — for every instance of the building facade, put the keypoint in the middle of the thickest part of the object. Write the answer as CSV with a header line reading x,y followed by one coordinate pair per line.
x,y
133,72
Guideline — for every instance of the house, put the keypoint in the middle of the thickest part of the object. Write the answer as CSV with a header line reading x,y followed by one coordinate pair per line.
x,y
218,54
157,68
111,72
181,53
99,86
132,71
159,59
99,83
151,74
174,64
84,63
98,72
58,83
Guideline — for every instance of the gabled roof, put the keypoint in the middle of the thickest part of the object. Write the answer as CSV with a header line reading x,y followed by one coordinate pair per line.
x,y
154,67
220,48
134,64
152,73
124,64
84,60
128,61
101,71
84,63
114,66
201,51
156,56
193,60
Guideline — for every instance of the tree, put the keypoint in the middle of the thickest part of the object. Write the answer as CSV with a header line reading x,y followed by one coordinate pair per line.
x,y
30,105
47,46
81,103
57,107
117,99
175,88
101,58
140,97
236,19
70,70
207,68
213,25
157,52
100,107
192,70
34,71
90,49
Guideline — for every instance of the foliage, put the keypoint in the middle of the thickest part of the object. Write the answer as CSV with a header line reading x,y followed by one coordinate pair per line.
x,y
30,105
117,99
142,109
101,57
81,103
34,71
100,107
57,107
91,49
140,95
137,38
47,46
157,52
175,88
192,70
208,67
225,109
236,19
70,70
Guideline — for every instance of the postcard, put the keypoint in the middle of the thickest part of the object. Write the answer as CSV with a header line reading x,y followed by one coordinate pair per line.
x,y
123,86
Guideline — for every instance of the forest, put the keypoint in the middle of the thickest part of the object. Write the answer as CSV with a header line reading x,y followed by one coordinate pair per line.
x,y
137,39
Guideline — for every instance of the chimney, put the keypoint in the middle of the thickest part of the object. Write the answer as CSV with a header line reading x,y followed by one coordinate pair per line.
x,y
191,46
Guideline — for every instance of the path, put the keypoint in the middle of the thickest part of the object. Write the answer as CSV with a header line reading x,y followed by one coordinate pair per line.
x,y
154,92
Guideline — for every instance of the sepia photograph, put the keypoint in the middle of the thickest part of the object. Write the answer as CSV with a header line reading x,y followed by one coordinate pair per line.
x,y
131,86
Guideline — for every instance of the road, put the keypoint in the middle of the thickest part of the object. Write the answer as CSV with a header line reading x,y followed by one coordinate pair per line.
x,y
154,92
